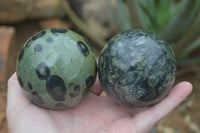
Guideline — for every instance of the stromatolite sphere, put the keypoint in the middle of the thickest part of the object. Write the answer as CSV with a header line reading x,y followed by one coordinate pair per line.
x,y
137,68
56,68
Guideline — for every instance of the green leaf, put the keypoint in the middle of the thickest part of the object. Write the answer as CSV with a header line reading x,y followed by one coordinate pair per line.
x,y
180,22
190,48
148,18
156,13
134,13
119,15
190,36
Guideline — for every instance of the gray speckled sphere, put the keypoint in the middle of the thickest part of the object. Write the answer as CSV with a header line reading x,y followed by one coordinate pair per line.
x,y
137,68
56,68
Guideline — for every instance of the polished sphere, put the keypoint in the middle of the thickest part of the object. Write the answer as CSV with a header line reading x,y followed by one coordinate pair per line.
x,y
56,68
137,68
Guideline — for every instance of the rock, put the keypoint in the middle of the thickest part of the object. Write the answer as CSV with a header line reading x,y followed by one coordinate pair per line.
x,y
15,10
54,23
65,81
6,37
95,14
166,129
194,127
137,68
46,8
12,11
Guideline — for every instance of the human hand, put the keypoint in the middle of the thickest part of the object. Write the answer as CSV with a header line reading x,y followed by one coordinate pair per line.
x,y
94,114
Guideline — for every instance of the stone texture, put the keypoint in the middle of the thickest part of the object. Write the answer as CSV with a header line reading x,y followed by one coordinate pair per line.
x,y
137,68
56,67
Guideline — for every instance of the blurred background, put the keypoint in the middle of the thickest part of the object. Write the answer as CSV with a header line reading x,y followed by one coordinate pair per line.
x,y
177,21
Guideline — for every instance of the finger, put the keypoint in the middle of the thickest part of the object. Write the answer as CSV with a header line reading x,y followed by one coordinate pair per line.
x,y
97,88
15,96
14,89
150,117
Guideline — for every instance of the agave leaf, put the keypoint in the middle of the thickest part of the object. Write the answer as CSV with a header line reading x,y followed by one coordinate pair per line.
x,y
163,13
134,13
100,42
190,48
119,15
190,61
147,17
156,13
192,34
123,16
181,21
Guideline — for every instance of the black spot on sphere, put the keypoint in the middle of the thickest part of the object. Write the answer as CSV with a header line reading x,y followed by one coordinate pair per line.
x,y
132,68
49,39
83,48
38,35
86,91
60,106
58,30
38,48
89,81
20,81
34,93
73,94
56,88
88,44
42,71
30,86
71,84
21,54
77,88
37,98
28,43
76,91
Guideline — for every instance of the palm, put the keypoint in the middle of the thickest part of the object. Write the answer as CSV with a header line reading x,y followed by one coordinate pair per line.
x,y
93,114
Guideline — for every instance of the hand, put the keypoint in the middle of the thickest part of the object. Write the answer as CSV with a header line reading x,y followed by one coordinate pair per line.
x,y
94,114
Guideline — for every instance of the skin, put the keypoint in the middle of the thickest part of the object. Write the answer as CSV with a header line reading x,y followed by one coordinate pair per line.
x,y
94,114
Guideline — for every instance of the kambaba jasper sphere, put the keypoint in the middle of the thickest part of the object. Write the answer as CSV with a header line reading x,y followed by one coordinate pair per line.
x,y
56,68
137,68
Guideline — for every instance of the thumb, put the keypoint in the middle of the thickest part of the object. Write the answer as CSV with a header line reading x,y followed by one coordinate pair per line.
x,y
150,117
16,98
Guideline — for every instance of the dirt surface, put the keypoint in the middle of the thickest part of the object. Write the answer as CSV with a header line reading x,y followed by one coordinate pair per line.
x,y
3,124
184,119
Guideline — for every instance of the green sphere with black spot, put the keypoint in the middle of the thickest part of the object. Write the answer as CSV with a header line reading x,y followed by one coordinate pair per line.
x,y
137,68
56,68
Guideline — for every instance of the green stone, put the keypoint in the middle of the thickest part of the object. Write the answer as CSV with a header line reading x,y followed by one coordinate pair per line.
x,y
56,68
141,73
